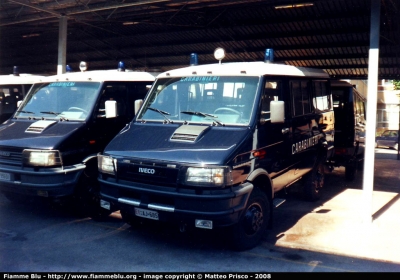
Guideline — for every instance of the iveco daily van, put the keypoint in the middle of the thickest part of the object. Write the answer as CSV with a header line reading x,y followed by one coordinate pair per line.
x,y
213,144
49,147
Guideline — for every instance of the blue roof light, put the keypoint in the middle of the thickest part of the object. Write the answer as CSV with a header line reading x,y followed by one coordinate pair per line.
x,y
68,68
16,71
121,66
194,59
269,55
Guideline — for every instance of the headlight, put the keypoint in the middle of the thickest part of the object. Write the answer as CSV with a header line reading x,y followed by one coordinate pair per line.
x,y
41,158
107,164
207,176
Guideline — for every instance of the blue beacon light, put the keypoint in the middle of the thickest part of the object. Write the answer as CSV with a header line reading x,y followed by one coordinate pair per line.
x,y
194,59
121,66
68,68
269,56
15,71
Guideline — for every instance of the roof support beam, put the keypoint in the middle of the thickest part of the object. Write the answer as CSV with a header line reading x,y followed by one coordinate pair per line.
x,y
62,46
369,159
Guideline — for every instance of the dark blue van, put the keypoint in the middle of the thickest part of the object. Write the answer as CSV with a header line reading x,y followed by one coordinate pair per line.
x,y
49,147
212,145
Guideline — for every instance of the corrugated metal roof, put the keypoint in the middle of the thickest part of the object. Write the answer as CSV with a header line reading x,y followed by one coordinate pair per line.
x,y
160,34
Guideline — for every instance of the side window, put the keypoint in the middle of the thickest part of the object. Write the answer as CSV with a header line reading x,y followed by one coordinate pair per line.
x,y
323,99
272,91
300,95
117,92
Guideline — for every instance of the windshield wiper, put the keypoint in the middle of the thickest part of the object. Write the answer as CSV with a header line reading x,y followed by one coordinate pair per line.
x,y
26,112
204,115
54,113
163,113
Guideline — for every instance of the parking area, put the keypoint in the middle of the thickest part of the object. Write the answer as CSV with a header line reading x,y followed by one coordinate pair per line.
x,y
336,224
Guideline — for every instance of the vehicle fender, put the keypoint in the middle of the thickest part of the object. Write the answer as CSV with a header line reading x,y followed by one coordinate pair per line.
x,y
91,166
262,176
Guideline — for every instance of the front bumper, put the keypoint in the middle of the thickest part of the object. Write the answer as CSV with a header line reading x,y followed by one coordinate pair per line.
x,y
47,182
222,207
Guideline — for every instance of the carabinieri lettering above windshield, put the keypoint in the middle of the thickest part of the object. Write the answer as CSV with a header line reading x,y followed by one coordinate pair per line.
x,y
304,144
200,79
62,84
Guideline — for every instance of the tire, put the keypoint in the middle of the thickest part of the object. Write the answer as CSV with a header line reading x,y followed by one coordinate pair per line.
x,y
252,225
87,199
351,170
314,181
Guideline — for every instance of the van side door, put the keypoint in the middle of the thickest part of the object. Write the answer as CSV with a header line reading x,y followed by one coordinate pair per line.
x,y
125,94
273,142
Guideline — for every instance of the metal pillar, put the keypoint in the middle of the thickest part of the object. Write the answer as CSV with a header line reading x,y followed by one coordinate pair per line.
x,y
373,65
62,45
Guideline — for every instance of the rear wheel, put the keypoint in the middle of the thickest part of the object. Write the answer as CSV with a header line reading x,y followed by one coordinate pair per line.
x,y
351,170
247,233
314,181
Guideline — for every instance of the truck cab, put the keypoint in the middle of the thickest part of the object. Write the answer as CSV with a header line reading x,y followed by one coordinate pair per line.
x,y
212,145
49,147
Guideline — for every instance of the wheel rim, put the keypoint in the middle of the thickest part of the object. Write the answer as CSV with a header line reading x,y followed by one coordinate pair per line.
x,y
254,219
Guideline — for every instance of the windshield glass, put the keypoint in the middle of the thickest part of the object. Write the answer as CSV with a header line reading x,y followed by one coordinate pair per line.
x,y
62,100
209,99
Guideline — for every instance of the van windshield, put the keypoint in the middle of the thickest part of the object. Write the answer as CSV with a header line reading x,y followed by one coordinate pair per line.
x,y
206,99
61,100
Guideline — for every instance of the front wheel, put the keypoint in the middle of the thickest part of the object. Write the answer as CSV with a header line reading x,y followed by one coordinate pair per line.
x,y
252,225
87,196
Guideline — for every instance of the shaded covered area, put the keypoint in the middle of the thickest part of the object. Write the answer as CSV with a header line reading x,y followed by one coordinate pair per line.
x,y
158,35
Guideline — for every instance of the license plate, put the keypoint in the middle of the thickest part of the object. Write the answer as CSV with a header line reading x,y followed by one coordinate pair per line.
x,y
148,214
5,176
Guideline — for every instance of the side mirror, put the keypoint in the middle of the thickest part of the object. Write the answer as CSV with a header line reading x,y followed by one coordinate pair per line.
x,y
277,111
111,109
138,104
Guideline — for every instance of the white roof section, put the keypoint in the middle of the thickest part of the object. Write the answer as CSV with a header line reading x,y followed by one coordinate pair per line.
x,y
101,76
258,68
22,79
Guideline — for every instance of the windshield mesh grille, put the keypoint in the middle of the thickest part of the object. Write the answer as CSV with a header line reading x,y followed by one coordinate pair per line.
x,y
33,129
184,137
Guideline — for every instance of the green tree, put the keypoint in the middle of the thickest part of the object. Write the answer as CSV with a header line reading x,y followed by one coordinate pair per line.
x,y
396,84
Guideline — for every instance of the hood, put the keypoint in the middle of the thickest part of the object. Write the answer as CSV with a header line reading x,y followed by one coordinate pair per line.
x,y
179,142
36,134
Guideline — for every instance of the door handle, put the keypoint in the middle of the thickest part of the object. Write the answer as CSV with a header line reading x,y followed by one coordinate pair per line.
x,y
285,130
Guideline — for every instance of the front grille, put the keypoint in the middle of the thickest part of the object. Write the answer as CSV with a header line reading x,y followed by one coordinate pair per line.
x,y
154,174
11,156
